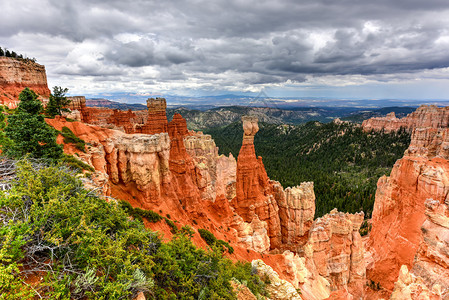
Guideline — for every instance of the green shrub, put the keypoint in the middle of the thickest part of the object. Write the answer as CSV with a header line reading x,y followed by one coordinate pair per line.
x,y
207,236
212,241
71,138
87,248
139,213
365,228
173,228
76,164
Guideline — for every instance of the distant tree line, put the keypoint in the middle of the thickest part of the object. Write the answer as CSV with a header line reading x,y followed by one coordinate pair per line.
x,y
13,54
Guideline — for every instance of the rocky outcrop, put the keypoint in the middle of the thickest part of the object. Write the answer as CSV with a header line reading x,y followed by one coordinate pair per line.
x,y
431,263
216,174
411,287
182,166
253,202
17,74
140,160
402,231
302,273
157,119
279,289
296,213
425,116
337,251
429,143
263,207
151,121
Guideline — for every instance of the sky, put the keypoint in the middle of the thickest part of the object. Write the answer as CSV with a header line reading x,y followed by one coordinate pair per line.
x,y
285,48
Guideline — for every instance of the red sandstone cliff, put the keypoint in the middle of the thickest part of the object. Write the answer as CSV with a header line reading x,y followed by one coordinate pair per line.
x,y
424,116
409,207
17,74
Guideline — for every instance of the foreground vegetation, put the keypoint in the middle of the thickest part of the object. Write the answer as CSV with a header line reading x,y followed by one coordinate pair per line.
x,y
343,161
60,241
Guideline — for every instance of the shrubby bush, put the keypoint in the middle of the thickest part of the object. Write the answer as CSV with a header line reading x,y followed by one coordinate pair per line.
x,y
71,138
87,248
211,240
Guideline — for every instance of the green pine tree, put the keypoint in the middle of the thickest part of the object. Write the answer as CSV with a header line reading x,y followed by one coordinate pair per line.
x,y
27,132
58,102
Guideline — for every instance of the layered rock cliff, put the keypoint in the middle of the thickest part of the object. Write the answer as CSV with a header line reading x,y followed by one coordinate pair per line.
x,y
17,74
406,207
425,116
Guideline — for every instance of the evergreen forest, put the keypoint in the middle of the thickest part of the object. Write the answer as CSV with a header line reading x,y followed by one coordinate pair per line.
x,y
343,161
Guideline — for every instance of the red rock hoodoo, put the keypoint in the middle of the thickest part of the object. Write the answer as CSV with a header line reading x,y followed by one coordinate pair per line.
x,y
157,119
17,74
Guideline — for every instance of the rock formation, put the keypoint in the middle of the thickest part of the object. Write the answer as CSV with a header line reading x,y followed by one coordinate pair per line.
x,y
411,287
279,289
252,201
408,210
180,172
263,204
431,263
296,213
157,119
141,160
17,74
336,248
182,166
424,116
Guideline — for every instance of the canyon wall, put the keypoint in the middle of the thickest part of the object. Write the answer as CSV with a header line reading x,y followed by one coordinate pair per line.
x,y
17,74
410,212
425,116
179,172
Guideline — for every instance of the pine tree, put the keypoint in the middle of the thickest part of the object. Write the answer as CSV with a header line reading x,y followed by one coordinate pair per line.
x,y
27,131
2,53
58,102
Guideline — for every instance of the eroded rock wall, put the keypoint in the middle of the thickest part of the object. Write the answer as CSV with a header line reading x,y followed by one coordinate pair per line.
x,y
17,74
403,226
337,251
425,116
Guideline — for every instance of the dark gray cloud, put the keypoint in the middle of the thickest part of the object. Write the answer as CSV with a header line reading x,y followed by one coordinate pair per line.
x,y
229,45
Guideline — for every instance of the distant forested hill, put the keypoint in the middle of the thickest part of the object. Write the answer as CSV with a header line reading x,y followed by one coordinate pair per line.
x,y
343,161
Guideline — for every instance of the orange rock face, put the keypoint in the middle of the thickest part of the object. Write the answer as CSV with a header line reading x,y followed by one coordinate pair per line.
x,y
402,206
424,116
182,165
157,119
15,75
336,248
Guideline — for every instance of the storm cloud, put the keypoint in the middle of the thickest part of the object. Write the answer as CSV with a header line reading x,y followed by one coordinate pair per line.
x,y
240,45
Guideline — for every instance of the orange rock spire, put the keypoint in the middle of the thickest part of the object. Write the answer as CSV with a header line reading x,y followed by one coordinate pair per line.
x,y
157,119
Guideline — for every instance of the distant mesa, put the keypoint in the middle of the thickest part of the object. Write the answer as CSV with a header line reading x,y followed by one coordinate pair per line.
x,y
424,116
